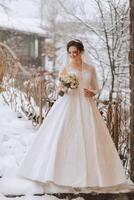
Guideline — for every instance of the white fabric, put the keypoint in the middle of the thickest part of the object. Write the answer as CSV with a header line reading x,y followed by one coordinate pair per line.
x,y
73,148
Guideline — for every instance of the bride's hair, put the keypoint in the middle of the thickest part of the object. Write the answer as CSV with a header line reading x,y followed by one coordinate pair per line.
x,y
76,43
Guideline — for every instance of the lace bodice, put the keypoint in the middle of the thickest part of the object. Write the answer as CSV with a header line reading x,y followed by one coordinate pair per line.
x,y
87,77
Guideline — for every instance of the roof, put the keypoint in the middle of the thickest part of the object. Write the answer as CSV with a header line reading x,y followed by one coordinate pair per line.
x,y
23,16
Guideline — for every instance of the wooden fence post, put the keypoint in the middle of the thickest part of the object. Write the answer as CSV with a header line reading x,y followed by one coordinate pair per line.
x,y
41,72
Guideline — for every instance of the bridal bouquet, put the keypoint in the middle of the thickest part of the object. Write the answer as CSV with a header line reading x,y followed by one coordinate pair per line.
x,y
68,81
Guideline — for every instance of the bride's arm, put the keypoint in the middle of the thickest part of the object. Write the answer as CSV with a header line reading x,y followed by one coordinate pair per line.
x,y
93,88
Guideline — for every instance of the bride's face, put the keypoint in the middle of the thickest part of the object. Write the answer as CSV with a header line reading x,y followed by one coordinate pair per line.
x,y
74,53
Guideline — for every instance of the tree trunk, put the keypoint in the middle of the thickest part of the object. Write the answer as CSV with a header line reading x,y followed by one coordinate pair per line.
x,y
131,58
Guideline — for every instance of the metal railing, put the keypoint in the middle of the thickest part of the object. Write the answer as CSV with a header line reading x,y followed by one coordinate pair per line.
x,y
26,90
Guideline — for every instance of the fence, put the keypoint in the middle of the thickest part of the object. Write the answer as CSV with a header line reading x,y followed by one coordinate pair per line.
x,y
28,91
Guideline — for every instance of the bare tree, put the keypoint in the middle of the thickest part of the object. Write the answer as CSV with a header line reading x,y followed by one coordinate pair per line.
x,y
110,26
4,6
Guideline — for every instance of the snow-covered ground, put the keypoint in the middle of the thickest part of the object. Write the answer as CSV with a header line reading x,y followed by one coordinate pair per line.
x,y
16,136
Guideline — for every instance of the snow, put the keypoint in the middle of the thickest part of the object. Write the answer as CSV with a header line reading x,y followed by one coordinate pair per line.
x,y
30,197
24,25
16,136
22,15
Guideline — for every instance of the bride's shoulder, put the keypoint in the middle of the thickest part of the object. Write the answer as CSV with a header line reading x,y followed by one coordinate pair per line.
x,y
89,68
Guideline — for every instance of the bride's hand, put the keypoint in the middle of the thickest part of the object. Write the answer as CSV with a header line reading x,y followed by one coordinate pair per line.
x,y
60,87
88,93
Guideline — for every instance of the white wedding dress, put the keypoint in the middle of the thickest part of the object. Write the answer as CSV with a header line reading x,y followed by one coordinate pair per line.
x,y
73,147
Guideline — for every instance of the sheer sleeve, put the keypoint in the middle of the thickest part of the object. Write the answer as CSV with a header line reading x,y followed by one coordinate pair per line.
x,y
94,86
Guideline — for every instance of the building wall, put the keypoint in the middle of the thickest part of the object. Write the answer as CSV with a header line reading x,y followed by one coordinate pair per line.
x,y
26,47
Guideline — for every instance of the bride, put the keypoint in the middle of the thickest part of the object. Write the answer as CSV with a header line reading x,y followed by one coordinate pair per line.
x,y
73,148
